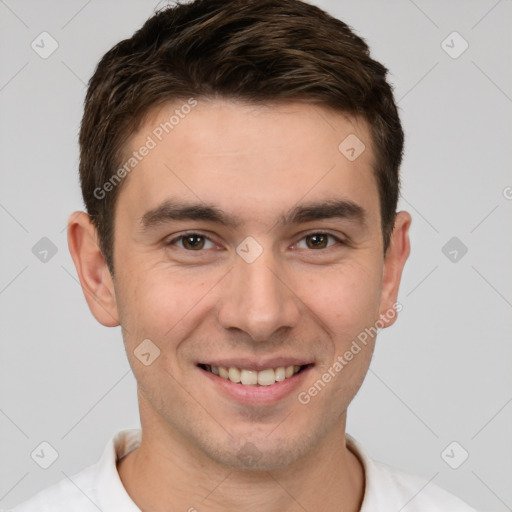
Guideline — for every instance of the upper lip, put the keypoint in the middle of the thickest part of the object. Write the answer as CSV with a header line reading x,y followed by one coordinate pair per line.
x,y
257,364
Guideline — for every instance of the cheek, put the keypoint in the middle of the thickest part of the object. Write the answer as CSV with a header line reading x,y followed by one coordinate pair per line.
x,y
347,298
161,303
347,302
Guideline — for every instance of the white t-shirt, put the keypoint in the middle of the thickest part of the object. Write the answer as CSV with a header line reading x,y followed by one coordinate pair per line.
x,y
98,487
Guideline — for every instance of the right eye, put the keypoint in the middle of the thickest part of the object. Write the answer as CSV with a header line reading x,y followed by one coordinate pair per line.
x,y
192,242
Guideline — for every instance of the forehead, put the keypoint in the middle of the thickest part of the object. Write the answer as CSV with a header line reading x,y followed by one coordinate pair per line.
x,y
257,159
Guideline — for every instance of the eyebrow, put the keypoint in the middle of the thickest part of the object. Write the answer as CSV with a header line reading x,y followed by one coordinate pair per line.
x,y
177,211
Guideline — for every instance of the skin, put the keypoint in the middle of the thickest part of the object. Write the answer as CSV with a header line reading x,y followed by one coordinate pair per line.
x,y
256,162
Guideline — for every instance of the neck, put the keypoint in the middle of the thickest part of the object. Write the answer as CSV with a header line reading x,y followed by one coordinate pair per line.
x,y
166,469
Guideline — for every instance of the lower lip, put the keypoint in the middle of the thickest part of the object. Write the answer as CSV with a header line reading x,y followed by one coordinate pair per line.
x,y
258,395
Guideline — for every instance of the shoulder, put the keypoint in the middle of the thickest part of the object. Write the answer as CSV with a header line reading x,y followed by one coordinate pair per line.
x,y
97,487
390,489
417,494
73,493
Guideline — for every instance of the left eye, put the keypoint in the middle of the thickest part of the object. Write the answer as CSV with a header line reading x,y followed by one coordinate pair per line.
x,y
318,240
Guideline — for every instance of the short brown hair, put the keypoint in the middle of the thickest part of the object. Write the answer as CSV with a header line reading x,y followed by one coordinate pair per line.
x,y
249,50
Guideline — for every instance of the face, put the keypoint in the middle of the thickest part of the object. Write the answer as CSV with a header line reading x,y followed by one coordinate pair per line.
x,y
248,245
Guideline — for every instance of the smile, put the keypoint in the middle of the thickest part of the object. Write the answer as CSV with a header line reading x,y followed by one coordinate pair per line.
x,y
265,377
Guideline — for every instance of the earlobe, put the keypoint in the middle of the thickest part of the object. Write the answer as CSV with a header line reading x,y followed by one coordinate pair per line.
x,y
396,256
92,269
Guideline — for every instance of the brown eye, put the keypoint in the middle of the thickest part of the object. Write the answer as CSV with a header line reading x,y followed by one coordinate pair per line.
x,y
192,242
319,241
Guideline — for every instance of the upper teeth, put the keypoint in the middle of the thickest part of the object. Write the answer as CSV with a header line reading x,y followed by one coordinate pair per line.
x,y
251,377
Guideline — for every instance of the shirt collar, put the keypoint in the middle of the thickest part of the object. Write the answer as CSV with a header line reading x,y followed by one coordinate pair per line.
x,y
111,492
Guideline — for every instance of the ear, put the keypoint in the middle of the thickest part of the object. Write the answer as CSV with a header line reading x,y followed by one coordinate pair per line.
x,y
394,261
92,269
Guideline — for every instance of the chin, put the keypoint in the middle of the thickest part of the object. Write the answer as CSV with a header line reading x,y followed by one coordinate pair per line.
x,y
259,453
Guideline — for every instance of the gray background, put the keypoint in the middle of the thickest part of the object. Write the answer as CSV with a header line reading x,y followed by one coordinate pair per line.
x,y
441,374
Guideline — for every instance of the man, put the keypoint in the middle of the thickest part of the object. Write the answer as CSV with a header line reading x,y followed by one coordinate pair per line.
x,y
239,166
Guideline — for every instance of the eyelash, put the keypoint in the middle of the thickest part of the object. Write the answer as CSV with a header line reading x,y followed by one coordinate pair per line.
x,y
338,240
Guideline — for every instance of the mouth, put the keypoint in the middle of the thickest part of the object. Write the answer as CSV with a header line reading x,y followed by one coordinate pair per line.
x,y
252,377
250,383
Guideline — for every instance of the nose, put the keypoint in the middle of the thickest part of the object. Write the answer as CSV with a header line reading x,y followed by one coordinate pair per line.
x,y
258,298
